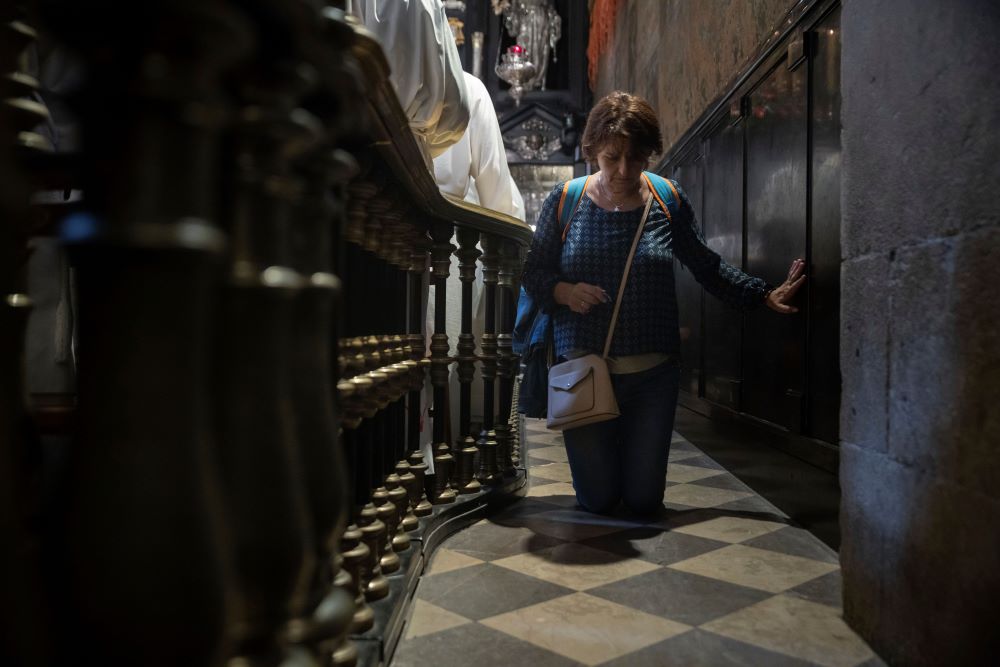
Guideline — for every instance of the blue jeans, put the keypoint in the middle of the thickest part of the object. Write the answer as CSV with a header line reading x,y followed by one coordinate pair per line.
x,y
625,459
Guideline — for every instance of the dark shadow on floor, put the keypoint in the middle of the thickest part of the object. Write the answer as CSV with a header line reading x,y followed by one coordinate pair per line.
x,y
808,495
628,536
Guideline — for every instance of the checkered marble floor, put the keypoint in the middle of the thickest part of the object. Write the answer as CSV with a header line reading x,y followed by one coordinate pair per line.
x,y
722,579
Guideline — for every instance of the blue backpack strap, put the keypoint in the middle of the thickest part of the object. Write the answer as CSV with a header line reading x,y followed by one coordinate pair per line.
x,y
531,323
665,192
569,201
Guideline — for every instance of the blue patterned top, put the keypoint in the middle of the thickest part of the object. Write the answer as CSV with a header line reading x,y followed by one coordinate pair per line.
x,y
595,251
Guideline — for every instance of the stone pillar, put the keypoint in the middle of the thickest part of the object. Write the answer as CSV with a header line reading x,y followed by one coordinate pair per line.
x,y
920,469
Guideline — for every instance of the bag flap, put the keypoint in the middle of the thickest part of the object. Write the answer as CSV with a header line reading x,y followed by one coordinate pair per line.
x,y
567,381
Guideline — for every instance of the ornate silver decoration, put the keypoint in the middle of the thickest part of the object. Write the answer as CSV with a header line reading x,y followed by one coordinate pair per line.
x,y
537,27
535,125
535,146
516,70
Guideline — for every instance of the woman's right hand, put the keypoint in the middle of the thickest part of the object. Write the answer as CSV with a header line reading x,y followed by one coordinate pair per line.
x,y
580,297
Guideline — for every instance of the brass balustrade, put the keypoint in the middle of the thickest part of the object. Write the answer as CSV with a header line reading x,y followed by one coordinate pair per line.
x,y
252,258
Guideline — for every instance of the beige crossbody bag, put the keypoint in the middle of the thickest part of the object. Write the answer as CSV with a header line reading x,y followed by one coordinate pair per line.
x,y
580,390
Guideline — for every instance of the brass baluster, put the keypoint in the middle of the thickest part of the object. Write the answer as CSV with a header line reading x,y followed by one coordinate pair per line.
x,y
487,443
444,462
407,478
261,459
25,615
466,445
355,554
396,493
331,608
143,553
507,370
386,509
417,363
373,530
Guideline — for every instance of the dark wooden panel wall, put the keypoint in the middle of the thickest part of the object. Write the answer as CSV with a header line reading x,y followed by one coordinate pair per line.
x,y
762,171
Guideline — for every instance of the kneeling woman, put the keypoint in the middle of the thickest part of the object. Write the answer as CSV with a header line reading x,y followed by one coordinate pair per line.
x,y
572,272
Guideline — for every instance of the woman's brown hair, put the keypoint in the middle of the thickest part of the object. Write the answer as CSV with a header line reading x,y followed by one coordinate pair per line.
x,y
620,114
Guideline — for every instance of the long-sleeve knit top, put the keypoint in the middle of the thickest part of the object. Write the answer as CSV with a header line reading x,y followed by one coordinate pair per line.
x,y
595,251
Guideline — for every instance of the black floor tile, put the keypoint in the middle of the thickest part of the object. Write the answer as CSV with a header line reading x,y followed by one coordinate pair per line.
x,y
698,648
683,446
809,495
702,461
499,537
480,591
524,507
722,482
474,645
680,596
752,504
824,590
654,545
795,541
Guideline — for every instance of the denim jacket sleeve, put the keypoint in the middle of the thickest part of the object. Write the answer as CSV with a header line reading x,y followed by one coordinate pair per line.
x,y
541,267
720,279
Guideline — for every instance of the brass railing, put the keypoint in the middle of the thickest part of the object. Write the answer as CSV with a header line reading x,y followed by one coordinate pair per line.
x,y
244,479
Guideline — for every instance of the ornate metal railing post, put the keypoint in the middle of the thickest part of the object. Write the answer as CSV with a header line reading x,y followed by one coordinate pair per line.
x,y
24,610
142,554
261,462
322,460
487,443
402,493
419,503
509,256
373,430
373,530
392,252
465,445
386,495
356,556
444,462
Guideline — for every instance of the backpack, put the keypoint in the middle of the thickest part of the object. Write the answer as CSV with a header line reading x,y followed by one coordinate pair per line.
x,y
533,336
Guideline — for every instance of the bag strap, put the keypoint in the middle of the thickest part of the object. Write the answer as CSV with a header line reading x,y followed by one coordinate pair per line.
x,y
621,286
572,193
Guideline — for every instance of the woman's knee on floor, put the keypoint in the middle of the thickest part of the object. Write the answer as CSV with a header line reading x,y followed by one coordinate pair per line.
x,y
598,501
644,502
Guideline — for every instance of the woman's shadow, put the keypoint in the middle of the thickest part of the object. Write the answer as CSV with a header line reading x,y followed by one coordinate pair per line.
x,y
557,523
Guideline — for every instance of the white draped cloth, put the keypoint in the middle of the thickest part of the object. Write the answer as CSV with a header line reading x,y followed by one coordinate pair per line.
x,y
426,70
475,168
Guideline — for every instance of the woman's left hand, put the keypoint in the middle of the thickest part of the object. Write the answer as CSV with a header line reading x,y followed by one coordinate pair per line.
x,y
780,296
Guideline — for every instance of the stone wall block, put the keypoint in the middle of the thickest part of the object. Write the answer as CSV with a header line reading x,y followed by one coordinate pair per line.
x,y
922,382
913,114
911,545
945,355
864,339
974,459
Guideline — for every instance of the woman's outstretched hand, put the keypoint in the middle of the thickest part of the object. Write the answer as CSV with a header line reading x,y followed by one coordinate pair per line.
x,y
780,296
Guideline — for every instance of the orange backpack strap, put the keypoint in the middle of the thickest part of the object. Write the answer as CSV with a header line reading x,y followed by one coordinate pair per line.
x,y
665,192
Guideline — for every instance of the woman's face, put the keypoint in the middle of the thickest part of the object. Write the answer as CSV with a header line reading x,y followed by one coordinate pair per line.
x,y
621,164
